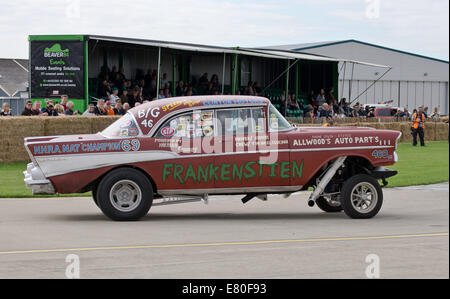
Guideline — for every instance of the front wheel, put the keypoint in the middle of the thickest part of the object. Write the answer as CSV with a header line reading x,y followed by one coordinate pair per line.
x,y
361,197
125,194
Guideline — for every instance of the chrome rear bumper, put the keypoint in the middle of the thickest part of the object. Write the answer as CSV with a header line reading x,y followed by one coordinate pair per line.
x,y
35,181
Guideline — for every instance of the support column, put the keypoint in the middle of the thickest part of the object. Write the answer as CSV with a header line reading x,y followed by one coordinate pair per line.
x,y
174,74
159,71
223,72
297,83
287,77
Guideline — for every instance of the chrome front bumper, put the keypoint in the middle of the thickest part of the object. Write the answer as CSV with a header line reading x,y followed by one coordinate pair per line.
x,y
35,181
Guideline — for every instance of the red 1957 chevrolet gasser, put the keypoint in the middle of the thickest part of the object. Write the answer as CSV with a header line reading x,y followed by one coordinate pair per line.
x,y
183,149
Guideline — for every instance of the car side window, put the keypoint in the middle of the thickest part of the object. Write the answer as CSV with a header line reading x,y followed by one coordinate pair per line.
x,y
240,121
194,124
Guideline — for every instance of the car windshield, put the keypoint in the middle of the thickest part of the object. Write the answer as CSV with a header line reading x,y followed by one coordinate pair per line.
x,y
123,127
276,121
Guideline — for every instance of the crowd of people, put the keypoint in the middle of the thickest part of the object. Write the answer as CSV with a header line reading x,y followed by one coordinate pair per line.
x,y
117,94
324,105
114,85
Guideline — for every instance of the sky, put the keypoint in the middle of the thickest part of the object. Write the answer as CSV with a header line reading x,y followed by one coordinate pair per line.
x,y
417,26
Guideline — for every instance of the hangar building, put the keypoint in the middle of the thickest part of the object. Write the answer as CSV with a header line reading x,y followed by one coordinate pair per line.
x,y
414,79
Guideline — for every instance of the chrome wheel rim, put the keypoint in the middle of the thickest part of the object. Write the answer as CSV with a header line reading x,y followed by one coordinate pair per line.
x,y
364,197
125,195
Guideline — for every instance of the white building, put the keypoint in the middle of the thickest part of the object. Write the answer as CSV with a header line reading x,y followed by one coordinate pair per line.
x,y
414,79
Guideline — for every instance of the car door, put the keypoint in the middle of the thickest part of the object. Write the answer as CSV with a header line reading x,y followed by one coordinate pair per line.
x,y
253,158
187,171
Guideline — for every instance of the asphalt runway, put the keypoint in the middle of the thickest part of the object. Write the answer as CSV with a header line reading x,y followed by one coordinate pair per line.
x,y
280,238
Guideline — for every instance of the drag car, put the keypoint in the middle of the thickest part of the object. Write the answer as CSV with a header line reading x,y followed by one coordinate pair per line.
x,y
185,149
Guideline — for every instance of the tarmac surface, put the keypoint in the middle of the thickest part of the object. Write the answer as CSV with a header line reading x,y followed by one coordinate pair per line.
x,y
280,238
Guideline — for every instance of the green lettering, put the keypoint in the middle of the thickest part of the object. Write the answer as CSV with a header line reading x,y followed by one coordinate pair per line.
x,y
250,172
166,171
297,170
190,174
284,174
273,167
261,165
224,172
237,171
178,169
202,173
212,171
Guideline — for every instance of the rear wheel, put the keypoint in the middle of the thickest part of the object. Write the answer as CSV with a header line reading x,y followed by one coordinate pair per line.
x,y
361,197
330,204
125,194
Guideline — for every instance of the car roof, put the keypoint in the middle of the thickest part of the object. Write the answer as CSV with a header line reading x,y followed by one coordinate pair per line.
x,y
157,110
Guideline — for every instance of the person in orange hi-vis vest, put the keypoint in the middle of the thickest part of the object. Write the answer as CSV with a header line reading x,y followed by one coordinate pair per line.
x,y
418,126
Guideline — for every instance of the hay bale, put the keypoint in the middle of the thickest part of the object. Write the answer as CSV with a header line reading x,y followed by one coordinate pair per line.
x,y
442,131
101,123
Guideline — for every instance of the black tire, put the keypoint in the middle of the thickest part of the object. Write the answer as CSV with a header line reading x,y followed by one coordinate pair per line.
x,y
94,195
137,195
346,197
325,206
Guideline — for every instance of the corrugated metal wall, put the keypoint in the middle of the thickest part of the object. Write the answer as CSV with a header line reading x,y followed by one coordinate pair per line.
x,y
404,93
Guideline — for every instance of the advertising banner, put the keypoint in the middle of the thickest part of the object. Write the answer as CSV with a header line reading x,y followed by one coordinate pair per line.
x,y
57,67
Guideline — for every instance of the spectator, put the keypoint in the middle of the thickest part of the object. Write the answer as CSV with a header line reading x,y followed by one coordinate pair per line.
x,y
215,81
292,103
425,111
118,81
331,100
114,96
311,98
203,83
362,112
59,110
180,90
435,116
109,110
36,109
69,111
27,111
100,108
167,93
355,111
133,98
49,109
104,89
6,111
321,98
118,110
164,80
161,94
340,114
64,99
405,113
126,107
90,111
309,112
124,96
325,111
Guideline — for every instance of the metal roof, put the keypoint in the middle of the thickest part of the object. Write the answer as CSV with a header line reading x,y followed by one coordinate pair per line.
x,y
307,46
13,75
